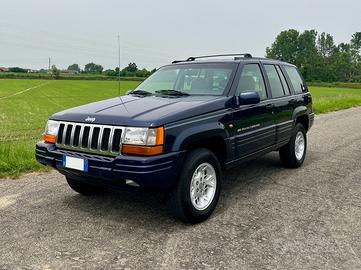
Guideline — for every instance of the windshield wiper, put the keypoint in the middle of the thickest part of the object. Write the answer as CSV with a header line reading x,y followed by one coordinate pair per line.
x,y
140,92
171,92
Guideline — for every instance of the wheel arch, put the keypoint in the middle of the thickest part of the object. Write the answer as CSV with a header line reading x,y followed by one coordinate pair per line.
x,y
300,116
210,136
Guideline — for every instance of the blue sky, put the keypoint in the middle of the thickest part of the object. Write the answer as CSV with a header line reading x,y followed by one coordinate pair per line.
x,y
154,33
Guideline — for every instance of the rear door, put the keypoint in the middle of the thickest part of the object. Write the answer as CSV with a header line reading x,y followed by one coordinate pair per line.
x,y
254,128
282,101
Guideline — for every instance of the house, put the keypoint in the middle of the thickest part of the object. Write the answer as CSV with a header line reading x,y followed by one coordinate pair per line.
x,y
4,69
70,72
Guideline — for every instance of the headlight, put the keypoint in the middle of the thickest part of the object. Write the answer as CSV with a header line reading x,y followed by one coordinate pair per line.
x,y
52,127
51,131
143,141
135,135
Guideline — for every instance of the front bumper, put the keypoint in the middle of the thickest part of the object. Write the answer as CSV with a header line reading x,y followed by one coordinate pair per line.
x,y
150,172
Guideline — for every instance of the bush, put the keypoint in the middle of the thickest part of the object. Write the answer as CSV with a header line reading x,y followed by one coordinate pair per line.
x,y
352,85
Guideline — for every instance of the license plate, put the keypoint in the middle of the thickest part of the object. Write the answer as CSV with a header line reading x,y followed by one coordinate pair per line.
x,y
75,163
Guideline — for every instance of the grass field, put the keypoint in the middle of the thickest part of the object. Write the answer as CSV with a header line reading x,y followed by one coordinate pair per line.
x,y
334,99
25,106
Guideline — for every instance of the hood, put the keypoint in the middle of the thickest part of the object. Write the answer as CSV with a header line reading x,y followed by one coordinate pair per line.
x,y
142,111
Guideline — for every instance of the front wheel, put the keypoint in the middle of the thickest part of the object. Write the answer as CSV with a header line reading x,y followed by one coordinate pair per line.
x,y
294,152
197,192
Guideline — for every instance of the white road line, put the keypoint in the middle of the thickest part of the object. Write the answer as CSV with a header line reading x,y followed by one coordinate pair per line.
x,y
23,91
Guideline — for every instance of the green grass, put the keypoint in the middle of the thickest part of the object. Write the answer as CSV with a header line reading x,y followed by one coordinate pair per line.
x,y
334,99
23,113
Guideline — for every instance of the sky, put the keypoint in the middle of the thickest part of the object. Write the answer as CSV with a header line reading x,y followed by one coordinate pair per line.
x,y
153,33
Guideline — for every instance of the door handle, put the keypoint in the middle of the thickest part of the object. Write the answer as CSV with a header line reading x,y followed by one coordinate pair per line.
x,y
270,107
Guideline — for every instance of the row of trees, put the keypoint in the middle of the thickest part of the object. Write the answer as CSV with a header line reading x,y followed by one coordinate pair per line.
x,y
129,71
317,55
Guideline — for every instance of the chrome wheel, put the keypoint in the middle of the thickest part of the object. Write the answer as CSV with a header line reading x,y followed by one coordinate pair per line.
x,y
203,186
299,145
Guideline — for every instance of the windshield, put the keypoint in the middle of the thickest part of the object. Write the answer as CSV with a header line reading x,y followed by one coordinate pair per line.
x,y
189,79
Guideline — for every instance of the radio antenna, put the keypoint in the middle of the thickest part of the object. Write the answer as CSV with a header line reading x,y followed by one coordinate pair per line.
x,y
118,65
120,97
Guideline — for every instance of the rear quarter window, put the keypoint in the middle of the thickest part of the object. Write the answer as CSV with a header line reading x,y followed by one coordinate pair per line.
x,y
295,79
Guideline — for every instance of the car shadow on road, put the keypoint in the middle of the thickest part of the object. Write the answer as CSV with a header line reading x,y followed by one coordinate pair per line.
x,y
149,209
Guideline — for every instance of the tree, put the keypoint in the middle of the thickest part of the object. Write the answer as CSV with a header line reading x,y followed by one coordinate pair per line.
x,y
55,73
325,45
307,56
18,70
356,53
317,56
132,67
296,48
110,72
327,52
93,68
285,46
74,67
142,73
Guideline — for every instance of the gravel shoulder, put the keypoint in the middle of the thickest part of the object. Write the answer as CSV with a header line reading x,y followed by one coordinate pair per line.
x,y
268,217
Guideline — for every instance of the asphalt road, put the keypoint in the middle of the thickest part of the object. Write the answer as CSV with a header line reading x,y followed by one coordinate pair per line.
x,y
268,217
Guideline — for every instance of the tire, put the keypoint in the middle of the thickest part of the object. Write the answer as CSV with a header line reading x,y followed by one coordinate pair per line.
x,y
293,156
82,187
200,165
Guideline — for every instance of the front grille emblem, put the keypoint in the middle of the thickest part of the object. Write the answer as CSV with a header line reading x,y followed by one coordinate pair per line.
x,y
90,119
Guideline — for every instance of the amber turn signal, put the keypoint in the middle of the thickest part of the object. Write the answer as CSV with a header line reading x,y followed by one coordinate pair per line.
x,y
142,150
49,138
160,136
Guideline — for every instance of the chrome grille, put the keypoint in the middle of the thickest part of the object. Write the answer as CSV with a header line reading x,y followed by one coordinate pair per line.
x,y
101,139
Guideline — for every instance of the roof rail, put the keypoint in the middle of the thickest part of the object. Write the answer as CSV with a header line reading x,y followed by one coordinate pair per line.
x,y
192,58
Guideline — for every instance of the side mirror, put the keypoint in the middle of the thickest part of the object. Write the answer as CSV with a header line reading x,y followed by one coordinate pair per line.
x,y
248,97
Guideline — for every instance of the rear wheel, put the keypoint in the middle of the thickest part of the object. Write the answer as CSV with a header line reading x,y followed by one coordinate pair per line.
x,y
82,187
196,194
294,152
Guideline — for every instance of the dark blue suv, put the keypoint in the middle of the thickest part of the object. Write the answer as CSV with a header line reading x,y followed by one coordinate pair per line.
x,y
181,127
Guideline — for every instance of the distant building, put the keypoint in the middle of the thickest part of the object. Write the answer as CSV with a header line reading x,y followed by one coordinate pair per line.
x,y
4,69
70,72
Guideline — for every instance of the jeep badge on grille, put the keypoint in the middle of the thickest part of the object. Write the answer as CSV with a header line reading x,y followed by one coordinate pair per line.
x,y
90,119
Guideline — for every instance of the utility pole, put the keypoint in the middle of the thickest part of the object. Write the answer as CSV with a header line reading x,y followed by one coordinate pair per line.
x,y
49,64
118,65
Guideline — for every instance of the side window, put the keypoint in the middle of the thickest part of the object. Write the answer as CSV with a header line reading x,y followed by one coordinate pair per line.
x,y
295,78
283,80
274,80
251,79
211,81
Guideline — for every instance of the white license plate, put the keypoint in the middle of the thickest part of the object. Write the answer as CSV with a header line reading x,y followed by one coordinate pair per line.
x,y
75,163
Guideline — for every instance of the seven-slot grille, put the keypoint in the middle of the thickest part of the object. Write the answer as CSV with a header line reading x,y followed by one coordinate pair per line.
x,y
101,139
